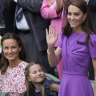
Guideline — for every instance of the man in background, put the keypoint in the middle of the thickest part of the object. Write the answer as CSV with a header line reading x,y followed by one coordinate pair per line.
x,y
30,26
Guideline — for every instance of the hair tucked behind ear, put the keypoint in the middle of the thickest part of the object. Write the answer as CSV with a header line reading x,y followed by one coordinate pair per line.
x,y
22,55
87,25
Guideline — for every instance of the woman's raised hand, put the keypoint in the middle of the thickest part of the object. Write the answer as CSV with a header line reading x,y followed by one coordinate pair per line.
x,y
51,36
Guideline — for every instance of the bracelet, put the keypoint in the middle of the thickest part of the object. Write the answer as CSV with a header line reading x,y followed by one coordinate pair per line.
x,y
48,52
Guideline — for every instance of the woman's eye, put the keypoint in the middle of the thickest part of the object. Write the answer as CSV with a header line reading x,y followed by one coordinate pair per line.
x,y
13,47
76,14
41,70
69,13
34,72
6,48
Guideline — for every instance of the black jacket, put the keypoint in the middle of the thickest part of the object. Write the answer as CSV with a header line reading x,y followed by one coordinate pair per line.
x,y
37,24
8,14
92,6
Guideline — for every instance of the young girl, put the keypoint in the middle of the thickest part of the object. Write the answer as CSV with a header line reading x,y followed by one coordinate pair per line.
x,y
36,82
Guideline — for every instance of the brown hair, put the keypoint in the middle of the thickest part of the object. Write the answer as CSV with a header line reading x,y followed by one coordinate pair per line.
x,y
29,86
22,55
86,25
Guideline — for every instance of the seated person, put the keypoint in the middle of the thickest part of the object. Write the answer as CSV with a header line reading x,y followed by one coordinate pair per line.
x,y
12,79
36,82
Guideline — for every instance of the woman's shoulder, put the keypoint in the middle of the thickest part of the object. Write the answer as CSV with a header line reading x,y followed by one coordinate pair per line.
x,y
22,64
93,34
93,37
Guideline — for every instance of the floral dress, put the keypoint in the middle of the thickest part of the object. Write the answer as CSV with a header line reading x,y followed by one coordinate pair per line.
x,y
13,81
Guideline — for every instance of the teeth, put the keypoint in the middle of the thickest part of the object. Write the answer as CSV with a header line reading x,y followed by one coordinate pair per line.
x,y
72,22
10,55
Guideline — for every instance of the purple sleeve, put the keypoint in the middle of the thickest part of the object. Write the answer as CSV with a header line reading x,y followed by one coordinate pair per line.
x,y
60,40
92,49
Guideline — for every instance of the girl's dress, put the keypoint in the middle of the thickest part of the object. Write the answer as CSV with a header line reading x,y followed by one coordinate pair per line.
x,y
76,57
13,81
47,89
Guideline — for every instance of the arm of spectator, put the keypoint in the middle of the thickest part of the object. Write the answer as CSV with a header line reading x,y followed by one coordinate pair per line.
x,y
49,11
54,87
59,5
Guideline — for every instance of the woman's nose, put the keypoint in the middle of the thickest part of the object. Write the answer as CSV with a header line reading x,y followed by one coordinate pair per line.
x,y
38,73
10,50
72,16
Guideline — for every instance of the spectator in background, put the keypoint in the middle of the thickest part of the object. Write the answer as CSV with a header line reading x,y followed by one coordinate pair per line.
x,y
12,79
92,6
30,26
1,13
8,15
56,11
2,25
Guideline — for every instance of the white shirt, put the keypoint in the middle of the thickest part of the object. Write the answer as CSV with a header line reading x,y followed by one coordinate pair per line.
x,y
87,1
22,25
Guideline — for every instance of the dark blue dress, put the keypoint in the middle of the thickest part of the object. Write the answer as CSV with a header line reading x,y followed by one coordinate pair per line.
x,y
47,89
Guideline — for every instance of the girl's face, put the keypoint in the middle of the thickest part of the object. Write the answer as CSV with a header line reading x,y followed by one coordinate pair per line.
x,y
11,49
36,74
75,16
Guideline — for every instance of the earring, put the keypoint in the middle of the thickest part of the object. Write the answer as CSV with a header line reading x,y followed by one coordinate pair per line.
x,y
83,20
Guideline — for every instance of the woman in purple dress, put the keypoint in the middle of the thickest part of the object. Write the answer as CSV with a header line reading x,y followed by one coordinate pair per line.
x,y
76,47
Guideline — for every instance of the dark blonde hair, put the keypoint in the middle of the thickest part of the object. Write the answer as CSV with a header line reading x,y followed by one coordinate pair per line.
x,y
29,86
87,25
22,55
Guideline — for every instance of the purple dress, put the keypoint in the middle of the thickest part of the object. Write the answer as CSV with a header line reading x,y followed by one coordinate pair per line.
x,y
76,58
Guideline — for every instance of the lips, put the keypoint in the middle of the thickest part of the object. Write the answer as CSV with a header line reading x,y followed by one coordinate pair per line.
x,y
72,22
10,55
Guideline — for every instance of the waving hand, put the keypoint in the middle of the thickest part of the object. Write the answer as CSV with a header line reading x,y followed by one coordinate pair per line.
x,y
51,36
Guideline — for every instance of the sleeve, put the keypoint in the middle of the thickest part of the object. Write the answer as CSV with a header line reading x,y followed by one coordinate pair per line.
x,y
31,5
20,85
92,47
25,94
49,12
47,89
60,40
0,80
